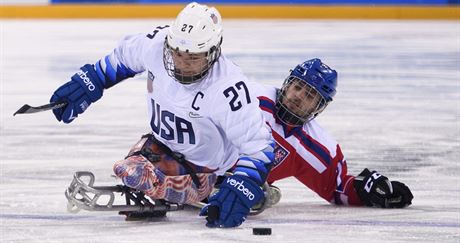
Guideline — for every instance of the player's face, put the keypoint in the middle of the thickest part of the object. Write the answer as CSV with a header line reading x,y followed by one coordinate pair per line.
x,y
189,64
300,98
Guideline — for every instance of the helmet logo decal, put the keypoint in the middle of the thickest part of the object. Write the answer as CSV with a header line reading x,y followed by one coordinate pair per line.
x,y
214,18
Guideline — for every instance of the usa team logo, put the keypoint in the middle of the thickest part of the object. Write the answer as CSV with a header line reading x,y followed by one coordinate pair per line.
x,y
150,79
280,154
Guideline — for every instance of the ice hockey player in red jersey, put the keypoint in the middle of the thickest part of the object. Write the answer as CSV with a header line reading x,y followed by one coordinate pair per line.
x,y
307,152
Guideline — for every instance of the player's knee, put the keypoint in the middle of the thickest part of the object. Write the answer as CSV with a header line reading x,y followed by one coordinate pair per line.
x,y
136,172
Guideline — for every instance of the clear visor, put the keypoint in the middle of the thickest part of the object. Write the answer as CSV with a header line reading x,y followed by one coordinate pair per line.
x,y
299,102
186,67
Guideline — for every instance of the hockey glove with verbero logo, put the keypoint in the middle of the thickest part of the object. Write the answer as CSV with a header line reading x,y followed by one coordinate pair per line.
x,y
375,190
84,88
230,206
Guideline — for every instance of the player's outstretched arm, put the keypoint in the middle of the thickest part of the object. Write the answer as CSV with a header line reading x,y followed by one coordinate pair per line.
x,y
88,84
375,190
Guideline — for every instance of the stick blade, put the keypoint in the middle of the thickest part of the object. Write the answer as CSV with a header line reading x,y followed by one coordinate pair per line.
x,y
26,109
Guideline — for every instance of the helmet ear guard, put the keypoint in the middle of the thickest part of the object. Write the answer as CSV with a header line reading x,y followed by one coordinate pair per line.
x,y
318,84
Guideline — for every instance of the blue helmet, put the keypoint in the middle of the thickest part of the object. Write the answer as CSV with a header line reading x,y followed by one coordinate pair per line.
x,y
306,92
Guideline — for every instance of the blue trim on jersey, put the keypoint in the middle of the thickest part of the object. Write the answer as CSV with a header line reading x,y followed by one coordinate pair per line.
x,y
100,73
110,76
124,72
339,187
259,173
270,154
267,104
310,143
109,71
252,173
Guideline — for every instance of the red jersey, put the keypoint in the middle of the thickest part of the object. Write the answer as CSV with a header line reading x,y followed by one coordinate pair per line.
x,y
309,154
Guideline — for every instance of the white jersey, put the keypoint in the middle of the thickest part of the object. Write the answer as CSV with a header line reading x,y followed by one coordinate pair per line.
x,y
211,122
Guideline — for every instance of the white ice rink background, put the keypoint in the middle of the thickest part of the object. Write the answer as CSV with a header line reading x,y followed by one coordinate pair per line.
x,y
397,111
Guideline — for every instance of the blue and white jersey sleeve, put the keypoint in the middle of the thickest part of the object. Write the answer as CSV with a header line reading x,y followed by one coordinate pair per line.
x,y
125,61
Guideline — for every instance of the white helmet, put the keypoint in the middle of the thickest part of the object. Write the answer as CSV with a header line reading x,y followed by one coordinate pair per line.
x,y
196,30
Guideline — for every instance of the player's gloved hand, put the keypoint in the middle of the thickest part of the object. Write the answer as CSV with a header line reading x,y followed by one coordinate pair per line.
x,y
375,190
84,88
230,206
401,197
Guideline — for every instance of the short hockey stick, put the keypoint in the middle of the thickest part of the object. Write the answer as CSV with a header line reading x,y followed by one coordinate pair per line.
x,y
26,109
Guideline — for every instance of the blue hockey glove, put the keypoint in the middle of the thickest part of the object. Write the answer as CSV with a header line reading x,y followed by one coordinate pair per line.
x,y
230,206
84,88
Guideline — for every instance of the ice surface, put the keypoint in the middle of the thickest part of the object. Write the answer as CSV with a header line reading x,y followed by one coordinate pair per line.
x,y
397,111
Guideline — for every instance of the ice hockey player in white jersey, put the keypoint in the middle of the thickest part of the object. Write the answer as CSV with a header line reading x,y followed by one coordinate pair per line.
x,y
205,119
308,153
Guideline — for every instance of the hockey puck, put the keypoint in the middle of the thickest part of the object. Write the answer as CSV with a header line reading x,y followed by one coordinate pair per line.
x,y
261,231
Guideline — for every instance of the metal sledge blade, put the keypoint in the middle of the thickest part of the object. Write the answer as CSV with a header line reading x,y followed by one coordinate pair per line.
x,y
82,194
26,109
